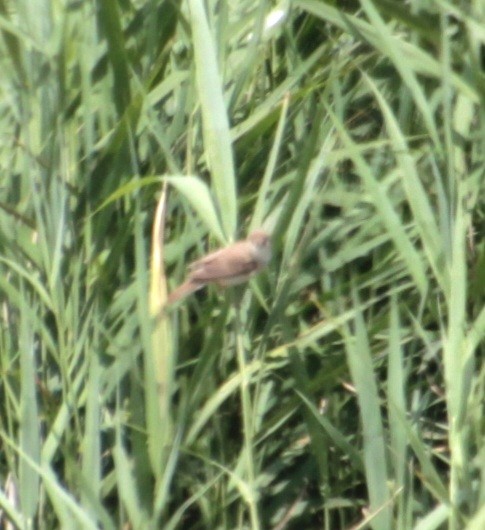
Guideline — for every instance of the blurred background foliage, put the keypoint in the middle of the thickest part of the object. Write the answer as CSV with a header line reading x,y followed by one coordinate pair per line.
x,y
344,387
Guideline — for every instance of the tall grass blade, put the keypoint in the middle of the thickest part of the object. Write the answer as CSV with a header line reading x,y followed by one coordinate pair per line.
x,y
374,447
217,140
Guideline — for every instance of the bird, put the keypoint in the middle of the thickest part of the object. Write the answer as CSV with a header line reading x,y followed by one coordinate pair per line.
x,y
227,266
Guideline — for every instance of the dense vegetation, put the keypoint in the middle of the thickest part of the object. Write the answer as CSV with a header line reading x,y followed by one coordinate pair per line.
x,y
341,388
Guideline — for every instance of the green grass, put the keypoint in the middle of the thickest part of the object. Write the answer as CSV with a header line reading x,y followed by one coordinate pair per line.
x,y
342,388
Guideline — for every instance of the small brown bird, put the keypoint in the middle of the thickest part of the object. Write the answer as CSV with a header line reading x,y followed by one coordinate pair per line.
x,y
227,266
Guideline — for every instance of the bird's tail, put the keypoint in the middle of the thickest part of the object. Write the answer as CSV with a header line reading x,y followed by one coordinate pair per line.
x,y
182,291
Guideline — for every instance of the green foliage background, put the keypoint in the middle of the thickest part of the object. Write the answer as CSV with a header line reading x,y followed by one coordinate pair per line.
x,y
344,388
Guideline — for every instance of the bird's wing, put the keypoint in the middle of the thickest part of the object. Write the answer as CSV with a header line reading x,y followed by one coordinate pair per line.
x,y
223,264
